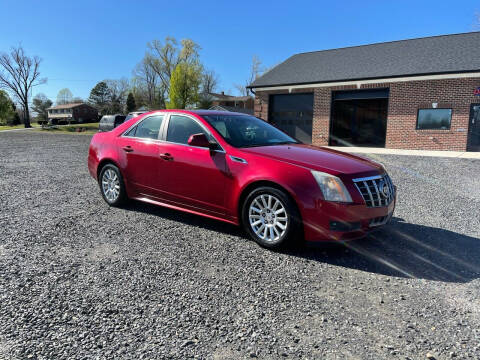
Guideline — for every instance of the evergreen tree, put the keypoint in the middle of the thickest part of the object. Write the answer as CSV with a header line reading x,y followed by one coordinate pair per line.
x,y
131,105
100,97
40,105
6,109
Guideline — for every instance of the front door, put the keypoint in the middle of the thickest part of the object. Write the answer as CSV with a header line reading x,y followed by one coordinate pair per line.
x,y
196,176
473,142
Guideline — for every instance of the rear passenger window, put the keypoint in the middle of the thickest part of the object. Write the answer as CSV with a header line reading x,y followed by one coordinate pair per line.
x,y
180,128
131,132
148,128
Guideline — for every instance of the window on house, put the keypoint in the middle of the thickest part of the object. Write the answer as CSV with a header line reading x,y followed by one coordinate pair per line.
x,y
434,119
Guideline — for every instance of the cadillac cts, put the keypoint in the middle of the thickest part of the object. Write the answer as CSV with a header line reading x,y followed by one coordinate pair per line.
x,y
240,169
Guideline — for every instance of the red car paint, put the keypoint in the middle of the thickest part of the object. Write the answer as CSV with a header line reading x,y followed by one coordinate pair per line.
x,y
211,184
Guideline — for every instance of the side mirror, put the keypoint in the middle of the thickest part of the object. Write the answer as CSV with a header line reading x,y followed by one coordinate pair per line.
x,y
199,140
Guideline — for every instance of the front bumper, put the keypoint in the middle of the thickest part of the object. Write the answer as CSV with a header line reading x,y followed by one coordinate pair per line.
x,y
330,221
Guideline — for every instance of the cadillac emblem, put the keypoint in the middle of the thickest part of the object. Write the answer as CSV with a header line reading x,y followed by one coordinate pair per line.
x,y
384,189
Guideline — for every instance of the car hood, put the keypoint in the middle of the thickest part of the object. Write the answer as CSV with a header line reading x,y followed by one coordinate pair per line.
x,y
317,158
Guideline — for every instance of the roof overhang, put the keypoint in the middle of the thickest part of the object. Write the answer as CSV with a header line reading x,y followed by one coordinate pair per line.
x,y
359,82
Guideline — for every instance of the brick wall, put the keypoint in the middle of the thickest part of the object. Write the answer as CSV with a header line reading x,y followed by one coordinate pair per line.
x,y
404,101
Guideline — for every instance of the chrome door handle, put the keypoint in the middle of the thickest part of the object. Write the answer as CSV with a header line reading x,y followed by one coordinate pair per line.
x,y
166,156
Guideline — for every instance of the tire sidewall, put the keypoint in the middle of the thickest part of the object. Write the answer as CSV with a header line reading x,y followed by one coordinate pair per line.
x,y
290,207
122,196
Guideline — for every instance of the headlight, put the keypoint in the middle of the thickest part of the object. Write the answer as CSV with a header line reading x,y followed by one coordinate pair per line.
x,y
332,187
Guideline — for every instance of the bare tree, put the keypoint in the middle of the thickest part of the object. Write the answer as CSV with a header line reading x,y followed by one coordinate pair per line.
x,y
20,73
209,81
64,96
256,70
146,85
118,90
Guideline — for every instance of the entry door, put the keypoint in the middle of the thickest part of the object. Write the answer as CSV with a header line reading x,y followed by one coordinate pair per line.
x,y
473,143
196,176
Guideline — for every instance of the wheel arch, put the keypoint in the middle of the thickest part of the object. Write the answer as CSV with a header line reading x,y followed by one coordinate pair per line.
x,y
259,183
104,162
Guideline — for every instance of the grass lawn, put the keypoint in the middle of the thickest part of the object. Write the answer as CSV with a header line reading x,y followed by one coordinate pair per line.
x,y
87,129
13,127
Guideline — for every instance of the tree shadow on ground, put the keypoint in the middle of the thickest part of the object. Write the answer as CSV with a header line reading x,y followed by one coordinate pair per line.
x,y
399,249
406,250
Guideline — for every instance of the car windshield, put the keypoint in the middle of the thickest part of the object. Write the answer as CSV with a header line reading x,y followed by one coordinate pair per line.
x,y
247,131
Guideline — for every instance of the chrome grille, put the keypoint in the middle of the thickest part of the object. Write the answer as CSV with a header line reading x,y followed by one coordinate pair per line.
x,y
377,191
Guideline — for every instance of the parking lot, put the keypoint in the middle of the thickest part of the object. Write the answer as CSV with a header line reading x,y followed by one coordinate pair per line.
x,y
79,279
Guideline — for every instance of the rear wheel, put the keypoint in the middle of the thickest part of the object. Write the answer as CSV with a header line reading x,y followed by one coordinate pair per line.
x,y
112,185
270,217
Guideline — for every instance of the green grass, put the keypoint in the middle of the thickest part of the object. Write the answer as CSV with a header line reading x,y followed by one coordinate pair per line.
x,y
88,128
13,127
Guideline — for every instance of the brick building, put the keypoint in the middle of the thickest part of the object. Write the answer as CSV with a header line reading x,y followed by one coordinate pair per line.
x,y
410,94
72,113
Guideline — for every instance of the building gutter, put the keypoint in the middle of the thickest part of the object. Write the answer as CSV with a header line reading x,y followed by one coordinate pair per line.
x,y
359,82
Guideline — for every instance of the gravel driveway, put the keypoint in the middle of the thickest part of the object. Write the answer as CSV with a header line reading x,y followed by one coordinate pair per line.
x,y
81,280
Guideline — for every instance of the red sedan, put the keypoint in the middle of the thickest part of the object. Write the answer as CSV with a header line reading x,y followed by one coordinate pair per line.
x,y
240,169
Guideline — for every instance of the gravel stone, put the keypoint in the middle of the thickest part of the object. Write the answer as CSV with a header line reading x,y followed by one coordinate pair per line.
x,y
79,279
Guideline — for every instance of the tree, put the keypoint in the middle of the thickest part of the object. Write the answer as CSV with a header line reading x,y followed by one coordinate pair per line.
x,y
16,116
117,94
163,58
205,101
6,108
145,85
100,97
208,85
131,106
256,70
209,81
20,74
40,105
64,96
184,86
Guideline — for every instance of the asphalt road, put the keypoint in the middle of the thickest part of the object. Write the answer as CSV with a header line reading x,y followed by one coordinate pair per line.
x,y
81,280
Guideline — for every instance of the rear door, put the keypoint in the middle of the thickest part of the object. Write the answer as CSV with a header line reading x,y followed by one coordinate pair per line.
x,y
196,176
139,149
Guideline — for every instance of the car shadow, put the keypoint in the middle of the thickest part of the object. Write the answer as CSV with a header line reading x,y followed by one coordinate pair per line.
x,y
399,249
405,250
184,217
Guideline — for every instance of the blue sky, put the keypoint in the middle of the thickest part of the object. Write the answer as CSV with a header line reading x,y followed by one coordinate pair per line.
x,y
84,42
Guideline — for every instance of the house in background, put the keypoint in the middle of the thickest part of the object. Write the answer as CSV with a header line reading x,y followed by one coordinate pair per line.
x,y
243,104
72,113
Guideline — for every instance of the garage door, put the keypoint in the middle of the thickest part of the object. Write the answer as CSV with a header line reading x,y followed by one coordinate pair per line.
x,y
359,118
293,113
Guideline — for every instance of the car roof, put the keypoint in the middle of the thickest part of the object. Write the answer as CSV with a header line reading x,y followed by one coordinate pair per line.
x,y
198,112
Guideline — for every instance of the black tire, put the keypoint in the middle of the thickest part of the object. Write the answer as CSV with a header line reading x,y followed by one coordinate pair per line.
x,y
122,198
293,224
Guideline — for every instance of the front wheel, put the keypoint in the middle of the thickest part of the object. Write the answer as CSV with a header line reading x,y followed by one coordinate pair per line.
x,y
112,185
270,217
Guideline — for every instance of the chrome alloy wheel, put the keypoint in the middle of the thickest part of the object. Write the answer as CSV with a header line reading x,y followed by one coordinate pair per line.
x,y
110,185
268,218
